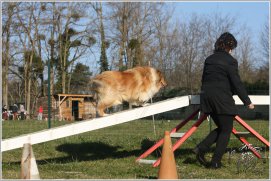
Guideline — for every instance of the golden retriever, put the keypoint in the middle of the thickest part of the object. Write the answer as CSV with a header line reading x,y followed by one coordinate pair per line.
x,y
136,86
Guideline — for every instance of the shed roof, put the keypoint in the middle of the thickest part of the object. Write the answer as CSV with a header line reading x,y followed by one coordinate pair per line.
x,y
75,95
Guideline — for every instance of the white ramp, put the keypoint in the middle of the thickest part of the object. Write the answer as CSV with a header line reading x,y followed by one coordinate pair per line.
x,y
94,124
255,99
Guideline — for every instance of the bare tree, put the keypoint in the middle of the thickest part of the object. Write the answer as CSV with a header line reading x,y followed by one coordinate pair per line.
x,y
263,70
72,39
25,55
52,44
162,36
120,19
139,33
244,55
24,15
190,41
265,41
194,42
98,7
8,12
133,31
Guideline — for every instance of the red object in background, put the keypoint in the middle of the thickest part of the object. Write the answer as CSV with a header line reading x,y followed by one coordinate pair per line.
x,y
40,109
5,115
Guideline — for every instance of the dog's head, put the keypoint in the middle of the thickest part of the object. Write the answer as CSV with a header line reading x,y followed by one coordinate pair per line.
x,y
161,82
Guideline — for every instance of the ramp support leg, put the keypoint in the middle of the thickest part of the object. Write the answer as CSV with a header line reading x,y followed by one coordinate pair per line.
x,y
161,141
185,136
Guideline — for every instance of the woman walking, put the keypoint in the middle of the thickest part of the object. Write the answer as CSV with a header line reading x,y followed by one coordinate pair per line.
x,y
220,80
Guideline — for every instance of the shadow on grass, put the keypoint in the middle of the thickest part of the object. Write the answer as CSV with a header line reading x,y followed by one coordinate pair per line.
x,y
93,151
89,151
98,151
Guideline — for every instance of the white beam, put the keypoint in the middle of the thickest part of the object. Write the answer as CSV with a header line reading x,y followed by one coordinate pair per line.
x,y
94,124
255,99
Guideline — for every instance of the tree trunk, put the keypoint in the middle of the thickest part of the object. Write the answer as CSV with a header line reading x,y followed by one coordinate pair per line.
x,y
103,56
6,58
52,52
123,30
5,73
63,82
26,77
28,97
121,57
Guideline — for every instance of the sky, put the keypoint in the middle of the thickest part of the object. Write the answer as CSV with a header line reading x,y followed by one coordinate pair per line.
x,y
253,14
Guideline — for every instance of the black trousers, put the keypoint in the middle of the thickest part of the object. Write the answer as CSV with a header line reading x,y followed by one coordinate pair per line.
x,y
220,136
22,115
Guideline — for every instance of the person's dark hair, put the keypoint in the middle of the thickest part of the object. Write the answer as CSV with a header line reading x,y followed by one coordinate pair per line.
x,y
225,42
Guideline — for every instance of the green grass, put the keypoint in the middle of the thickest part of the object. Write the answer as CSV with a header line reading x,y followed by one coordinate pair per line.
x,y
110,153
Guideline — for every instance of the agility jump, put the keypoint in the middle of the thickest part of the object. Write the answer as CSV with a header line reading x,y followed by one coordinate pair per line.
x,y
114,119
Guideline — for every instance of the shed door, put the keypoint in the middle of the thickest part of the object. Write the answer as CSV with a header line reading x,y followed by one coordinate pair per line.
x,y
75,109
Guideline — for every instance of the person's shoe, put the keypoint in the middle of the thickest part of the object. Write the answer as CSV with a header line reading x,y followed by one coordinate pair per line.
x,y
200,156
214,165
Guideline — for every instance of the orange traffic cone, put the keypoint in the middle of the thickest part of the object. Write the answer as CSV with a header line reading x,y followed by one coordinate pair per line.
x,y
168,168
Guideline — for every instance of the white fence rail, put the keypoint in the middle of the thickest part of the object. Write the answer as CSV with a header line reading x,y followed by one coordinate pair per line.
x,y
255,99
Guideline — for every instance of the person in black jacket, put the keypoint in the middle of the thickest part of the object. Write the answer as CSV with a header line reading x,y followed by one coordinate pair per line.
x,y
15,111
220,80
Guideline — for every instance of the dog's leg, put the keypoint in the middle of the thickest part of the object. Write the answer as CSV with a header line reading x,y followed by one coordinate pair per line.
x,y
100,110
101,107
146,104
97,104
141,103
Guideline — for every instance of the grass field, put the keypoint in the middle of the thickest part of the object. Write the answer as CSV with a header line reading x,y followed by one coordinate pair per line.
x,y
110,153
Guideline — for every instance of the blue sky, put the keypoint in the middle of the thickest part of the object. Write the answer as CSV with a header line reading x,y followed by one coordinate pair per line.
x,y
253,14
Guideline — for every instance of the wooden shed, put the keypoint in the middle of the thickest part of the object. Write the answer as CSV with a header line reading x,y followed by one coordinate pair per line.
x,y
69,106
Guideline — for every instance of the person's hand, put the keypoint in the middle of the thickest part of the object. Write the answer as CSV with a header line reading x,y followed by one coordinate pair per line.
x,y
250,106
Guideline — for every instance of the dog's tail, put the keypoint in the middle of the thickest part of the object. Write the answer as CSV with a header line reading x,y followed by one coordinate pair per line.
x,y
95,87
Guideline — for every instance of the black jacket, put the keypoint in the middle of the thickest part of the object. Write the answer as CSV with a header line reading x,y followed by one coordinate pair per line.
x,y
14,109
220,80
